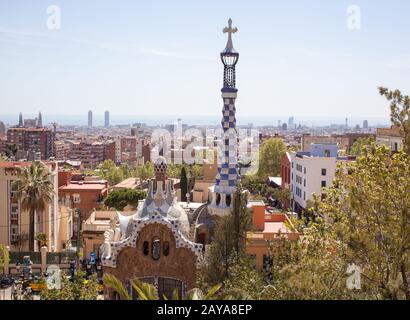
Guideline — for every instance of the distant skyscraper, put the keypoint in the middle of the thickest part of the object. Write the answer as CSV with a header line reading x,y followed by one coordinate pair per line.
x,y
106,119
347,124
365,125
21,120
40,120
284,126
2,129
90,118
291,121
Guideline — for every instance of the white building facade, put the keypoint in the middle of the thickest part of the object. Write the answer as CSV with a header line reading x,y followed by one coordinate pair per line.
x,y
311,171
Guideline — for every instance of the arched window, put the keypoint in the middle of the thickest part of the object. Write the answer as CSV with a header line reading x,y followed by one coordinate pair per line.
x,y
228,200
166,248
156,249
218,199
145,248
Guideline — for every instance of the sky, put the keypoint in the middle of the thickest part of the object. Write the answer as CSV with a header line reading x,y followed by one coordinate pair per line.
x,y
161,57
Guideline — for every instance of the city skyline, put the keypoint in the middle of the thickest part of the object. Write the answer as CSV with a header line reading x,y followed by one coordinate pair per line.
x,y
165,60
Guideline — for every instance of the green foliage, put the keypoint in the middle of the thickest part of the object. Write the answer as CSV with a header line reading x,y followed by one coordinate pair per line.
x,y
42,239
244,281
174,170
109,171
77,288
195,171
357,147
282,195
147,291
399,112
113,283
228,240
35,191
11,151
371,214
145,171
270,155
255,185
183,183
4,256
121,198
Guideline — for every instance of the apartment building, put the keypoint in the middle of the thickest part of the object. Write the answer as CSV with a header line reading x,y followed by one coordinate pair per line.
x,y
91,154
30,141
14,222
62,150
391,137
268,227
311,171
344,141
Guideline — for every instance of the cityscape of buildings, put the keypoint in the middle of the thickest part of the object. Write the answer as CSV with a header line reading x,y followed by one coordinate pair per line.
x,y
143,201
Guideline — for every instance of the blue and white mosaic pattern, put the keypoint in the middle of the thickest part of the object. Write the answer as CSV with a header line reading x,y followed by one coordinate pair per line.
x,y
227,175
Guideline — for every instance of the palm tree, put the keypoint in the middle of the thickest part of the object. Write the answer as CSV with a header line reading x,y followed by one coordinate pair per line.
x,y
147,291
35,191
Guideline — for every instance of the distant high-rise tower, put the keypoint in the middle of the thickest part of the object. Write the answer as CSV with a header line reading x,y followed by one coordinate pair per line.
x,y
21,120
347,123
106,119
2,129
90,118
291,122
365,125
40,120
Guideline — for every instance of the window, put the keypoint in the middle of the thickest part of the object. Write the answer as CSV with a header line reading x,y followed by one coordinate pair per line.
x,y
304,182
323,172
304,170
304,195
156,249
166,248
228,200
218,199
323,184
145,248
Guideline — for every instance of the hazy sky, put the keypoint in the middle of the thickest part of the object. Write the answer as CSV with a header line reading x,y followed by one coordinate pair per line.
x,y
162,57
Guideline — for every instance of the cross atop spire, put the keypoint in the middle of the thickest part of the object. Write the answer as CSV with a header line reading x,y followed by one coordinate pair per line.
x,y
229,30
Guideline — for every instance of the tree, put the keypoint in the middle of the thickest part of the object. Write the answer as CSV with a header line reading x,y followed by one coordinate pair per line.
x,y
4,256
76,288
241,218
11,151
282,195
255,185
183,183
311,268
121,198
41,238
145,171
357,147
35,191
270,155
109,171
147,291
244,281
371,214
399,112
228,240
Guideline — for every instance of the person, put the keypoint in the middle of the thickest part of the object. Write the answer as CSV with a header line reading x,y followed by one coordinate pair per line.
x,y
72,268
